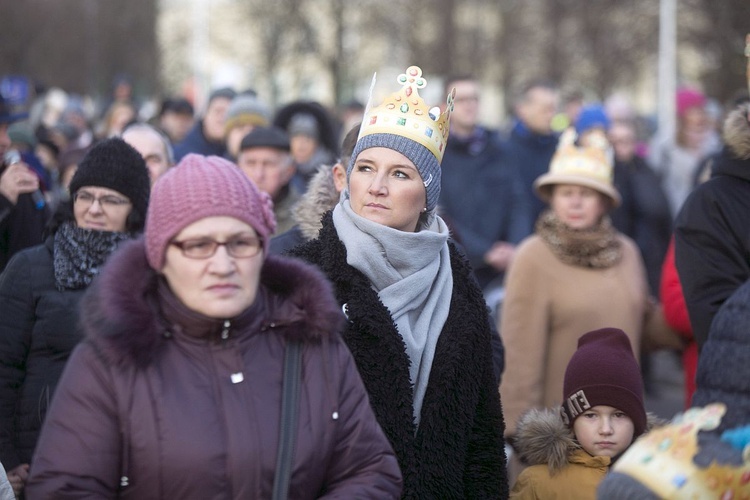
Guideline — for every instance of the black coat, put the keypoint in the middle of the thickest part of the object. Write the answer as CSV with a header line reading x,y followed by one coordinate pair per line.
x,y
38,331
644,215
712,241
458,450
21,226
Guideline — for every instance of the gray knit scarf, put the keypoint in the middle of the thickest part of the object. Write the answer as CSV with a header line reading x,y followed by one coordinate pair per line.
x,y
79,253
412,274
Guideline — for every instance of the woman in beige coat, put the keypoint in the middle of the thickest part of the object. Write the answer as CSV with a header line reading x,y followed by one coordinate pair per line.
x,y
574,275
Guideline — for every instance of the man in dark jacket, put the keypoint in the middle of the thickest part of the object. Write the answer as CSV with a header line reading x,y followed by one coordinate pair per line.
x,y
22,209
482,193
207,135
532,141
712,230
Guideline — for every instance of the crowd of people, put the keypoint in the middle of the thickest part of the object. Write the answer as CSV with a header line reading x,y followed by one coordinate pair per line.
x,y
399,302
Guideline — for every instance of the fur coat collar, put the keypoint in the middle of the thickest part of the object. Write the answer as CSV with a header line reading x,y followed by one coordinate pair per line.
x,y
320,197
120,312
542,438
595,248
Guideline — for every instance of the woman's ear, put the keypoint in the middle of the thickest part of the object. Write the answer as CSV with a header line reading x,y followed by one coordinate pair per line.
x,y
339,176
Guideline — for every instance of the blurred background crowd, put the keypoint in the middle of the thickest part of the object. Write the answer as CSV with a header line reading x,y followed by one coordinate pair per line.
x,y
280,89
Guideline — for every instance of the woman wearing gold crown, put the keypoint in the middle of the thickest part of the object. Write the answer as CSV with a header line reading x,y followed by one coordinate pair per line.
x,y
575,274
418,327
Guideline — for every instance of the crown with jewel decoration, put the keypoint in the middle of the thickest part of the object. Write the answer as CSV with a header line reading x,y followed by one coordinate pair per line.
x,y
662,460
590,165
405,113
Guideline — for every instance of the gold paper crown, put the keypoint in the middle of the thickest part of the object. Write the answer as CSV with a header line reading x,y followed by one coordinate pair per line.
x,y
662,460
405,113
590,165
591,159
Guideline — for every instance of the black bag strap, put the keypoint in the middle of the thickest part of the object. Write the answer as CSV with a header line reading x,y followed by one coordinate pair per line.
x,y
289,402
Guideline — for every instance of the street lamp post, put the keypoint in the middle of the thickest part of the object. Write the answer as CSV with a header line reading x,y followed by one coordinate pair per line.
x,y
667,67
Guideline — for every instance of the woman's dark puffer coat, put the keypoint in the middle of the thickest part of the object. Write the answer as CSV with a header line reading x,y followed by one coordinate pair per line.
x,y
182,412
38,331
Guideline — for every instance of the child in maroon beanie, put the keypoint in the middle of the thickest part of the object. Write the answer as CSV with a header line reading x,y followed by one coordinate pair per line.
x,y
570,449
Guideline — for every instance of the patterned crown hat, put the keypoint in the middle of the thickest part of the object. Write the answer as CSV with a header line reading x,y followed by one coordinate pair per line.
x,y
405,113
589,165
405,123
663,460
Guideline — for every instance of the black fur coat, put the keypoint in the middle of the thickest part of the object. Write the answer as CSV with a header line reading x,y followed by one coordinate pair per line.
x,y
458,449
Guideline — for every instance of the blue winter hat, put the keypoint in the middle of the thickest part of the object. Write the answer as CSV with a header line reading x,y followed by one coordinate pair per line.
x,y
420,156
592,116
7,115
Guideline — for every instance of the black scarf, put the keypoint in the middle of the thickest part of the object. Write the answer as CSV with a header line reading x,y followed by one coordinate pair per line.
x,y
596,248
79,253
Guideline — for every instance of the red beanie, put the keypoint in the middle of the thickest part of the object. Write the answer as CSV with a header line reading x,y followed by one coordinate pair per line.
x,y
604,371
199,187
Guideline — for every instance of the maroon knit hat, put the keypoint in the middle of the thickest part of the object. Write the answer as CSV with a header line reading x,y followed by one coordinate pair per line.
x,y
199,187
604,371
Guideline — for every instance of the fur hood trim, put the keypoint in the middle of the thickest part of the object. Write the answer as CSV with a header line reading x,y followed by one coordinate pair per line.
x,y
737,131
119,311
542,438
320,197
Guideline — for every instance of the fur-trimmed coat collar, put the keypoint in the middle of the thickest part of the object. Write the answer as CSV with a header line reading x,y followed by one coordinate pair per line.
x,y
120,311
542,438
320,197
734,159
736,132
594,248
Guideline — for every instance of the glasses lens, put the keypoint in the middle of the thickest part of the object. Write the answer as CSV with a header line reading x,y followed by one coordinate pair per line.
x,y
112,202
199,249
243,247
84,198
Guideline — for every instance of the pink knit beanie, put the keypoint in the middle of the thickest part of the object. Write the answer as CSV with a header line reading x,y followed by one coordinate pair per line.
x,y
199,187
689,98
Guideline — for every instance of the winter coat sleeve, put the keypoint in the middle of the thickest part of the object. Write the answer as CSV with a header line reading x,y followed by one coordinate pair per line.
x,y
6,490
79,453
16,323
675,311
363,464
710,257
21,226
524,329
485,471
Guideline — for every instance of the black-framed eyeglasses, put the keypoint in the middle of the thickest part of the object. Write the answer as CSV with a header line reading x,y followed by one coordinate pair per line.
x,y
240,247
86,199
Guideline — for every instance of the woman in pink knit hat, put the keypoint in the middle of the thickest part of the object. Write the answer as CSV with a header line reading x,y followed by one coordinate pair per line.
x,y
676,159
210,370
